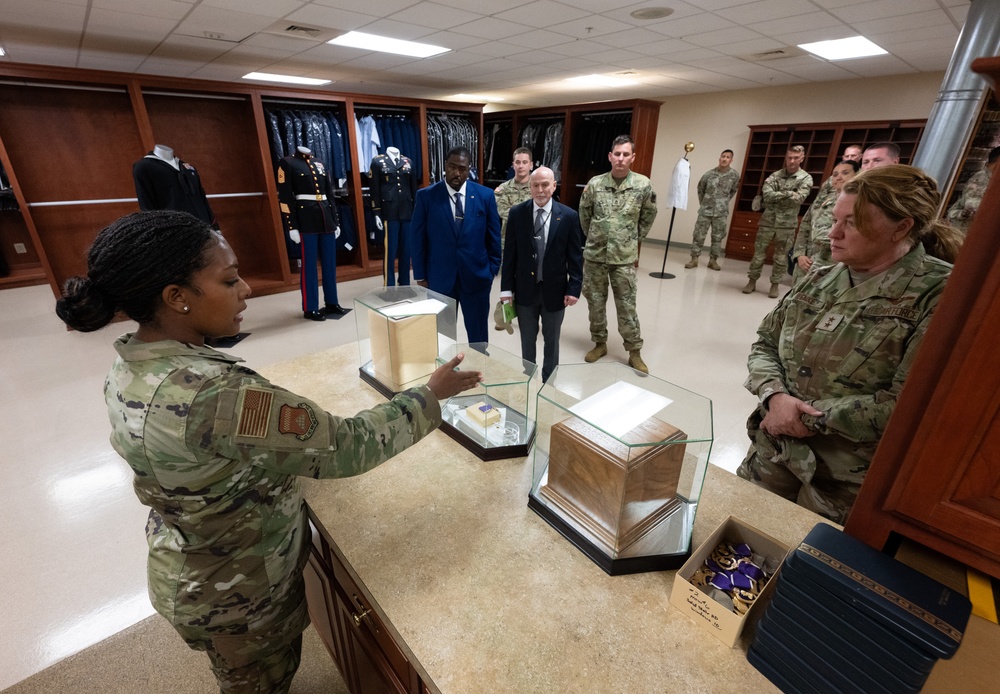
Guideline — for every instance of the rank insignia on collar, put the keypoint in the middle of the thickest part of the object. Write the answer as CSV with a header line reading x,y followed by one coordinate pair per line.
x,y
829,322
299,421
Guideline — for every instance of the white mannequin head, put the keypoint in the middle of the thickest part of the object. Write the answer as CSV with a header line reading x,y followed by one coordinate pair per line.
x,y
163,152
393,153
304,150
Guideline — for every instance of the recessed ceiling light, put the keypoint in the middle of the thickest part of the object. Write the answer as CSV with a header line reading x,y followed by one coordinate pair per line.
x,y
384,44
651,13
844,49
289,79
600,81
475,97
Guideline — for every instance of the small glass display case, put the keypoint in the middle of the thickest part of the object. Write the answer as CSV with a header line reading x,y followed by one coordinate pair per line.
x,y
619,462
401,331
491,420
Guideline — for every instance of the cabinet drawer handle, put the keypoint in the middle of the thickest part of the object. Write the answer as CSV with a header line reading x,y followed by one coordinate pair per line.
x,y
358,618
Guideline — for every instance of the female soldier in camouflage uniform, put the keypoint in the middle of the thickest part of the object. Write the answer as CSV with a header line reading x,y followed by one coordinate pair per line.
x,y
216,448
832,357
812,243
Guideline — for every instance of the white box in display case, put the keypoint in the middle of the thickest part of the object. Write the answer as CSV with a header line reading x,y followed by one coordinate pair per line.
x,y
401,332
491,420
618,464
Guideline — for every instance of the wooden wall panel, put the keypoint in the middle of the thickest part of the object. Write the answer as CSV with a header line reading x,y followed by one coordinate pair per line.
x,y
70,230
14,230
69,144
246,224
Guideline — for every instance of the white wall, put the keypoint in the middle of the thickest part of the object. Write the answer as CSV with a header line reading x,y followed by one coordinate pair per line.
x,y
721,120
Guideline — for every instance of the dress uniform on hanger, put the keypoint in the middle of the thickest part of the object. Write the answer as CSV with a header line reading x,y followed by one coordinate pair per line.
x,y
307,207
393,187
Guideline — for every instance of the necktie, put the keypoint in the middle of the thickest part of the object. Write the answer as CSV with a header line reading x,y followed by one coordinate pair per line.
x,y
459,212
539,242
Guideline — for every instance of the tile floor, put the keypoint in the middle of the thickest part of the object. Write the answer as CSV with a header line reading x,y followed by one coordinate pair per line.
x,y
72,543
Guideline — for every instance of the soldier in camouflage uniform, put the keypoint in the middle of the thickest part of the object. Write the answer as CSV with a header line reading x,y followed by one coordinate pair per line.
x,y
783,193
617,210
962,212
851,153
514,191
508,194
812,242
832,357
715,189
216,448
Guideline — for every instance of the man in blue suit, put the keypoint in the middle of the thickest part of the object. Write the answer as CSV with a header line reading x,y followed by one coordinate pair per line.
x,y
542,266
455,240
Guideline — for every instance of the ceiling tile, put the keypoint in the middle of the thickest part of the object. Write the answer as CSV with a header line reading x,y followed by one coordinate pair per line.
x,y
712,38
694,24
542,13
628,38
877,66
586,27
624,14
167,9
490,28
429,14
108,23
539,38
879,9
268,8
615,57
802,22
575,47
667,47
397,30
765,10
483,7
231,25
746,48
910,21
379,8
189,48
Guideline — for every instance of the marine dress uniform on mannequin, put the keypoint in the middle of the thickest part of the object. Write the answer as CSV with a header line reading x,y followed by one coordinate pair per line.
x,y
305,195
393,186
165,182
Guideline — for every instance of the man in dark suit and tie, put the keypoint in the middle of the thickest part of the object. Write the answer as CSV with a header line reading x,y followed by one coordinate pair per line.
x,y
455,238
542,267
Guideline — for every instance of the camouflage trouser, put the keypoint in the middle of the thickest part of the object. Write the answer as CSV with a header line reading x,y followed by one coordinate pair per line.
x,y
718,225
782,237
596,277
270,674
789,468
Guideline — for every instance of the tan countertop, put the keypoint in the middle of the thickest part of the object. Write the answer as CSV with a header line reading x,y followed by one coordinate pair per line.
x,y
487,596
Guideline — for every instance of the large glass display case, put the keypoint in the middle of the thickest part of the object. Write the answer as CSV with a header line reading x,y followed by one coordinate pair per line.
x,y
491,420
619,462
401,332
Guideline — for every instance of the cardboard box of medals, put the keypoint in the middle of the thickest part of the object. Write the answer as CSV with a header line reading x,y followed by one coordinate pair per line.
x,y
728,578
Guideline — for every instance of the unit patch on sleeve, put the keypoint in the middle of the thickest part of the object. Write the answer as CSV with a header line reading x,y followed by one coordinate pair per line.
x,y
254,413
299,421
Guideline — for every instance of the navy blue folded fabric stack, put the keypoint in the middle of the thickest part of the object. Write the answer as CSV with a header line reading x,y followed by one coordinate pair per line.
x,y
848,618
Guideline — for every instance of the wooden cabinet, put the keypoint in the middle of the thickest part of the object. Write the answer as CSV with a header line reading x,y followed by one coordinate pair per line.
x,y
366,651
637,118
985,136
935,477
824,143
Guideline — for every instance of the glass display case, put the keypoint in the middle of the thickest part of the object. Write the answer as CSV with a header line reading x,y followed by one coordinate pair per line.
x,y
619,462
401,332
492,420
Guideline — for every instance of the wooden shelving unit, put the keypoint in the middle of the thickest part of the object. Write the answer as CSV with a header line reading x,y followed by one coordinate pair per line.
x,y
824,143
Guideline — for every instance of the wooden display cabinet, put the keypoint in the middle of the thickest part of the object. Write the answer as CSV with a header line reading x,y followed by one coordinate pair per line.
x,y
824,143
367,652
643,115
985,136
936,474
69,137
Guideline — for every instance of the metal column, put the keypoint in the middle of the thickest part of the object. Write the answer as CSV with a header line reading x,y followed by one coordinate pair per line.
x,y
953,116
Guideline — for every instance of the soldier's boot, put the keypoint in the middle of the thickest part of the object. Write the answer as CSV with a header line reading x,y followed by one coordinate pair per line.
x,y
600,349
773,293
636,362
713,264
751,287
692,263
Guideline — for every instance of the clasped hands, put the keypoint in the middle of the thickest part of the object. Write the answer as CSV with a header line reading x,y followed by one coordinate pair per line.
x,y
784,416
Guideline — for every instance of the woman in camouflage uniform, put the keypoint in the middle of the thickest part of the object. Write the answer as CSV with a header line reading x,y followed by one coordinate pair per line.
x,y
216,448
832,357
812,243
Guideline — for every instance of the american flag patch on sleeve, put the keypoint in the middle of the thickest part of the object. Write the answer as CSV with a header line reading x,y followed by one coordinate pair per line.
x,y
254,413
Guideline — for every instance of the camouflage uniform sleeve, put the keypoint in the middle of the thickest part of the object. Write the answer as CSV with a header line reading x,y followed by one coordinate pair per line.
x,y
802,238
771,191
702,184
863,418
733,187
586,210
766,374
247,418
648,213
503,201
801,191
